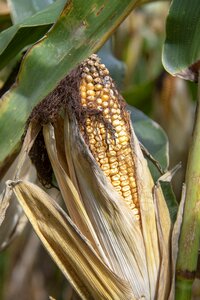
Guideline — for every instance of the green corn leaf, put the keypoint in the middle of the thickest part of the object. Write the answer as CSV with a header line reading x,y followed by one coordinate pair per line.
x,y
22,9
181,53
79,31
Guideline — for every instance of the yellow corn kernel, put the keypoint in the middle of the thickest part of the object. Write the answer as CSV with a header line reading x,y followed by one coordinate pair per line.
x,y
112,151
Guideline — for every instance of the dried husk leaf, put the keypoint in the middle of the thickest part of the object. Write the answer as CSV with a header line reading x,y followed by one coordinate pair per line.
x,y
67,246
12,219
118,231
70,195
174,241
145,187
164,229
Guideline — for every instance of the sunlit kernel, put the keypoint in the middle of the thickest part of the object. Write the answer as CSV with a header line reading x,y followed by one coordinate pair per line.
x,y
105,97
115,183
126,188
115,177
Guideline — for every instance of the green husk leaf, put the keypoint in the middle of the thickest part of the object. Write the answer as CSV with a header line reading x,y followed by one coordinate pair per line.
x,y
67,246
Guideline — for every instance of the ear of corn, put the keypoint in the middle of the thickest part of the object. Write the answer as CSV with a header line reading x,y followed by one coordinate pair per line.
x,y
108,136
104,168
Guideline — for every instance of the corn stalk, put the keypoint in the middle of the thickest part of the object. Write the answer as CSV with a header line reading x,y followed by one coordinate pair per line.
x,y
190,233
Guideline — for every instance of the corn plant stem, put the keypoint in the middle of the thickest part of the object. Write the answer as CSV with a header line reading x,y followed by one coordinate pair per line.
x,y
190,231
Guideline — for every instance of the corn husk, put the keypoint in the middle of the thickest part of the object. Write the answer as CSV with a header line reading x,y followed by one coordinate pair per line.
x,y
103,250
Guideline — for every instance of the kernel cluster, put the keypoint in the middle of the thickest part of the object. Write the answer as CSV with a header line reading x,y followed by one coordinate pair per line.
x,y
114,156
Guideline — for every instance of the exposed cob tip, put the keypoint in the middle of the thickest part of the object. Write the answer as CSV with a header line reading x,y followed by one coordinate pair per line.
x,y
108,136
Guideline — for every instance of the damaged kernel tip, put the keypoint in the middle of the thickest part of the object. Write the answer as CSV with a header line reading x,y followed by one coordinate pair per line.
x,y
108,135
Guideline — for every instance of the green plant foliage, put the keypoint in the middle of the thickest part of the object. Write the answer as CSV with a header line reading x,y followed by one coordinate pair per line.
x,y
15,38
79,31
181,54
154,139
151,135
22,9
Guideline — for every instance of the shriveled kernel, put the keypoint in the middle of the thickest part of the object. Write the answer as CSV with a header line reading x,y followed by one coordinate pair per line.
x,y
95,74
90,104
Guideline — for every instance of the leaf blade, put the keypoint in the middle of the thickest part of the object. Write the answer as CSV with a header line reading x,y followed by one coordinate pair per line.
x,y
83,30
181,52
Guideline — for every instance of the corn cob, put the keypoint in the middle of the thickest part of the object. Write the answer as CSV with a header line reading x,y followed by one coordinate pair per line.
x,y
113,154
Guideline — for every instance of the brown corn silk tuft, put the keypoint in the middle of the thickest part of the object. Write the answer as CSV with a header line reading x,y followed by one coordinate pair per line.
x,y
106,129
